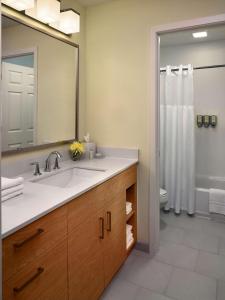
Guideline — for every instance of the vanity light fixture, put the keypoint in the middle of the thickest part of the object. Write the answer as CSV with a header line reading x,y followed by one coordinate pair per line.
x,y
200,34
46,11
69,22
19,5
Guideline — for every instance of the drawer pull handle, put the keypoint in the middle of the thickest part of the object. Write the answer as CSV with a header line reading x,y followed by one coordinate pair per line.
x,y
19,289
109,221
20,244
101,236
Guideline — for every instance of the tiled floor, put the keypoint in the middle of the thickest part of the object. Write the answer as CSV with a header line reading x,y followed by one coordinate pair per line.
x,y
190,264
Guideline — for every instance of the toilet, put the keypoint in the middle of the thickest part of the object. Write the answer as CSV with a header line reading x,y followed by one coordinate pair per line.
x,y
163,198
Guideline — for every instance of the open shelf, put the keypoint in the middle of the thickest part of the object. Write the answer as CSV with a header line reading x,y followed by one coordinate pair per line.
x,y
130,247
128,217
131,218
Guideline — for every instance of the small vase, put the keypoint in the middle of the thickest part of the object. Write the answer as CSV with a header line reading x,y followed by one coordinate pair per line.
x,y
75,156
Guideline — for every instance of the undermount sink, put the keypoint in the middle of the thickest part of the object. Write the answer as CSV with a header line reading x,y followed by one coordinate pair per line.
x,y
69,178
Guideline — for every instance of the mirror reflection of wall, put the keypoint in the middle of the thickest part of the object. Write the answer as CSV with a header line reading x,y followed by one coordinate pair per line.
x,y
37,111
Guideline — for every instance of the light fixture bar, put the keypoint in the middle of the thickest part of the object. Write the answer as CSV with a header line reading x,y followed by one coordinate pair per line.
x,y
69,22
19,4
46,11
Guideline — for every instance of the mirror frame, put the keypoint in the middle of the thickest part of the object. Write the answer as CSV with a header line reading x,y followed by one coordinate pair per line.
x,y
54,33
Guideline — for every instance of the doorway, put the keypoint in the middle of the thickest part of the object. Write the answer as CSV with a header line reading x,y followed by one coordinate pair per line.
x,y
154,214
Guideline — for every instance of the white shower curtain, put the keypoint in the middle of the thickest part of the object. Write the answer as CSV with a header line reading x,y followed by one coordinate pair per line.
x,y
177,141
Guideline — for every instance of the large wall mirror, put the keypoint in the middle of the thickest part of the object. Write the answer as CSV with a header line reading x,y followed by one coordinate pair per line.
x,y
39,87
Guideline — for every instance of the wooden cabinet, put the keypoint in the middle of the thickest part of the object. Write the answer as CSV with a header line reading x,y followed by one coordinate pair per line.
x,y
73,252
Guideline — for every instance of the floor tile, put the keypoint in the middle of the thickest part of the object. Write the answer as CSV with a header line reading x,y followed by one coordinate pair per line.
x,y
201,241
172,234
144,294
186,285
222,247
221,290
215,228
177,255
120,289
211,265
184,221
140,253
147,273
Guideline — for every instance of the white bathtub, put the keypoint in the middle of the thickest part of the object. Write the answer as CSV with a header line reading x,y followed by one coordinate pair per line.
x,y
203,184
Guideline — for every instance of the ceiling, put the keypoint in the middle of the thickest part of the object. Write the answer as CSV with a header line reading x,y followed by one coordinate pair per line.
x,y
185,37
92,2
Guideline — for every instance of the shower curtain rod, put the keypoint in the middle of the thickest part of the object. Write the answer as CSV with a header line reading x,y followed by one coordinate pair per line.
x,y
197,68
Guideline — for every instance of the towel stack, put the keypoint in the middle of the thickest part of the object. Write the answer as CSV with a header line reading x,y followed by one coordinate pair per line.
x,y
128,207
130,236
11,188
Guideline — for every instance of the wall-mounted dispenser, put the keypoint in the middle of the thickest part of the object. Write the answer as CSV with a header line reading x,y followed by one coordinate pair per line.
x,y
213,121
206,121
199,121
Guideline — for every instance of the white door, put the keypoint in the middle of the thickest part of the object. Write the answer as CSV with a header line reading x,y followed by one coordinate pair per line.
x,y
18,106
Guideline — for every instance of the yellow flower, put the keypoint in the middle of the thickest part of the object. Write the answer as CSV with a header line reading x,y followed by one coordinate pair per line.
x,y
77,147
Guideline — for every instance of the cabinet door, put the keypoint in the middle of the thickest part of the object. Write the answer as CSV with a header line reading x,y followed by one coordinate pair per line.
x,y
115,237
85,260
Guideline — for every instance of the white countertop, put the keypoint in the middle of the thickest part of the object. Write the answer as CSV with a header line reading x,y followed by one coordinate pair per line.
x,y
38,199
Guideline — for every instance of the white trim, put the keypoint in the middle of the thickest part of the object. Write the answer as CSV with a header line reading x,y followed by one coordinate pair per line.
x,y
154,219
20,52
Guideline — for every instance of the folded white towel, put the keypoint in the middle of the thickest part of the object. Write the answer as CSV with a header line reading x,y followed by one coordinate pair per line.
x,y
217,201
128,204
10,182
128,210
12,190
129,227
129,237
10,196
130,243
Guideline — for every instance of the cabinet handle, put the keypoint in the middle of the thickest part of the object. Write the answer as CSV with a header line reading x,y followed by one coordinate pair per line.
x,y
19,289
20,244
109,221
101,236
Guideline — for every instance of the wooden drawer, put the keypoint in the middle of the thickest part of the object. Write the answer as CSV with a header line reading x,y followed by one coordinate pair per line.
x,y
130,177
43,279
26,245
120,183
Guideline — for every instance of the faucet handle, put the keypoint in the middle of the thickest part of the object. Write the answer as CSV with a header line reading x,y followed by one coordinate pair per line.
x,y
37,168
47,165
56,165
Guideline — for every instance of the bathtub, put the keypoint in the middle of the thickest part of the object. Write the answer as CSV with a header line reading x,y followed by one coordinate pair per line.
x,y
203,184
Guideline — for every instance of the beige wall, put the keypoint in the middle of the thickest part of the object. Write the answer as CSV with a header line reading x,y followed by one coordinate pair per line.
x,y
117,81
80,39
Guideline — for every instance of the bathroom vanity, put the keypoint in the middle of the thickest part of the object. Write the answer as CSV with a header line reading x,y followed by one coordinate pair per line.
x,y
65,237
72,249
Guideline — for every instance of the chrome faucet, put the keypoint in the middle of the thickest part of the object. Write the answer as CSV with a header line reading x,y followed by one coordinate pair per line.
x,y
48,161
37,168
